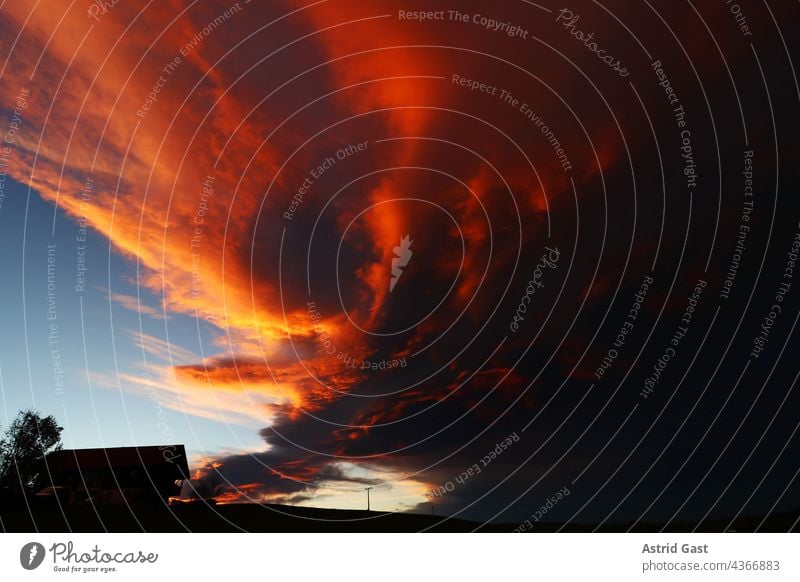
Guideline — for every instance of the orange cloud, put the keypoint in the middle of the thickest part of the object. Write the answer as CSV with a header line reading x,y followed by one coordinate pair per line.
x,y
185,156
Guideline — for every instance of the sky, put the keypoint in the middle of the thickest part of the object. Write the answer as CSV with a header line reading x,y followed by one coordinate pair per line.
x,y
470,258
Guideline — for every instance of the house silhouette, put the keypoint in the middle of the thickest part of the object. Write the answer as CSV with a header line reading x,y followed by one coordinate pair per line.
x,y
118,476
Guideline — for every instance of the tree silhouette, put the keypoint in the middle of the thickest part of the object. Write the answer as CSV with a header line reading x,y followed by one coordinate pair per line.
x,y
29,438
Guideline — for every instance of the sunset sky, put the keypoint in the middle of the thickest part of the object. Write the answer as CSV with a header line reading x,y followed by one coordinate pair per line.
x,y
221,191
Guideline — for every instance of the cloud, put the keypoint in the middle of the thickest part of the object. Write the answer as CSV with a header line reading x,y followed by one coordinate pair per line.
x,y
228,169
134,304
163,350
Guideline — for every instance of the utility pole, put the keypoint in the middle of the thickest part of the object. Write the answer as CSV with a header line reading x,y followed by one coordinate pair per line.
x,y
367,490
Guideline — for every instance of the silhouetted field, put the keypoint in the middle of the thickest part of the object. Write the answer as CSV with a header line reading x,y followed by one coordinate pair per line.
x,y
199,517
